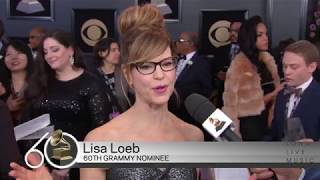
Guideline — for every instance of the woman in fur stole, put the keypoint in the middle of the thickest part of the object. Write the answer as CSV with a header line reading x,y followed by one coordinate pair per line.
x,y
244,98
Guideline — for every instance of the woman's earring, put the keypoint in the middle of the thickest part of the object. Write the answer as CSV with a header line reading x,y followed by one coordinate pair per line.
x,y
71,60
131,86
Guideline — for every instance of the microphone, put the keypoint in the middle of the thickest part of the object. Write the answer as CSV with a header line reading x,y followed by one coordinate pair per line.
x,y
213,120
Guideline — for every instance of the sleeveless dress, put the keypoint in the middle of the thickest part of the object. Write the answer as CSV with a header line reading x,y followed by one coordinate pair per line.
x,y
151,174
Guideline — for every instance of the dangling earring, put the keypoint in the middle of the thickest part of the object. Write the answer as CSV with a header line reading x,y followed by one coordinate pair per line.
x,y
71,60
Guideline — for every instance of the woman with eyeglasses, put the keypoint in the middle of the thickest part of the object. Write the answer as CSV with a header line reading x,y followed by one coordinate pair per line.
x,y
150,70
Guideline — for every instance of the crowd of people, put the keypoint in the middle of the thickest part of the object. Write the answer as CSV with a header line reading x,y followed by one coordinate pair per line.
x,y
134,90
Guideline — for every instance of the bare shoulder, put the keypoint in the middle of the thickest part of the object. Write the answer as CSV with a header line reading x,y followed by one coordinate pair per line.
x,y
265,56
191,132
112,130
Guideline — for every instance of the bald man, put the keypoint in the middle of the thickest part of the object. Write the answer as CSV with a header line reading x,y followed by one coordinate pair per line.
x,y
193,75
36,36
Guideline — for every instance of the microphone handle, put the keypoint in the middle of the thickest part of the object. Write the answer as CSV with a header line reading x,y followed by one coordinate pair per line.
x,y
230,135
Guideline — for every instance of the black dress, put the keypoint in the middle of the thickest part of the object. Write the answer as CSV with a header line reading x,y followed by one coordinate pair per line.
x,y
254,128
151,173
75,106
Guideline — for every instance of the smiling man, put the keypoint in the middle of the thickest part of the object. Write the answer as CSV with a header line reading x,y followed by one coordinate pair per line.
x,y
193,75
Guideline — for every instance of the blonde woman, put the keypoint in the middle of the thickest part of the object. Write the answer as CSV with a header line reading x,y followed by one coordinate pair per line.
x,y
150,70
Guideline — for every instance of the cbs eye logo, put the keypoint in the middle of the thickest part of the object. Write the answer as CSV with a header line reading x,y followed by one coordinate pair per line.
x,y
92,31
219,33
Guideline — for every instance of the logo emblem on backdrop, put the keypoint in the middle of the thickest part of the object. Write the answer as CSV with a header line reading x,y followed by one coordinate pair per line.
x,y
92,25
218,33
214,36
92,31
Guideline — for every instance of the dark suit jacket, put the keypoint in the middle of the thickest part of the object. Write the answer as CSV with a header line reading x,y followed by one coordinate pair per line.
x,y
316,75
312,173
195,78
222,58
307,110
9,149
220,63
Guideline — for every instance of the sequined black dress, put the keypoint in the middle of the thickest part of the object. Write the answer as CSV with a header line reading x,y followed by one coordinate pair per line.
x,y
151,173
75,106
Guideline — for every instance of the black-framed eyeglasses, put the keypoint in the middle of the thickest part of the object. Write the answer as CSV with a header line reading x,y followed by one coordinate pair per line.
x,y
167,64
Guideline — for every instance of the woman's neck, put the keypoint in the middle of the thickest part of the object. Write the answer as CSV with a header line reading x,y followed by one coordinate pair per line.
x,y
107,68
155,114
18,80
68,73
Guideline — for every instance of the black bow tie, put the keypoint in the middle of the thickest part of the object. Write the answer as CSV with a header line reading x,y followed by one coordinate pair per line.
x,y
182,57
291,90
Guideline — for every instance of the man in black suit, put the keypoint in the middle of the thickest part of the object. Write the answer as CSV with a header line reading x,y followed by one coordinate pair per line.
x,y
299,62
224,57
193,73
227,53
300,101
35,38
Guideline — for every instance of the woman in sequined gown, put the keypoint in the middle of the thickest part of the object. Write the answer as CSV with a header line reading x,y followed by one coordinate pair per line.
x,y
149,69
61,87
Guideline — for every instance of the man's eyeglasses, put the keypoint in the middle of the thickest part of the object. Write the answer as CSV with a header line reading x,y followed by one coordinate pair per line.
x,y
34,36
167,64
182,40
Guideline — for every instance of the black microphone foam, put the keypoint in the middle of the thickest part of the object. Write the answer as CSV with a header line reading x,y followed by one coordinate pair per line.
x,y
200,108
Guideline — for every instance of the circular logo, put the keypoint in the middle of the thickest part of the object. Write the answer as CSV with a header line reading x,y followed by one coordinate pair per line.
x,y
219,33
92,31
61,150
